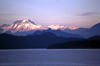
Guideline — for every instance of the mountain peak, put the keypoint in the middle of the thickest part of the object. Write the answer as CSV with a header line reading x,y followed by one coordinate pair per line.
x,y
20,19
23,21
49,29
27,19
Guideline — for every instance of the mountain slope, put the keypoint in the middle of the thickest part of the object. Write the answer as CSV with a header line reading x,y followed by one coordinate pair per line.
x,y
57,32
94,30
76,31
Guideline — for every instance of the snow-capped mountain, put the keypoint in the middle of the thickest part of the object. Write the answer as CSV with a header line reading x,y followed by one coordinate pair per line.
x,y
22,25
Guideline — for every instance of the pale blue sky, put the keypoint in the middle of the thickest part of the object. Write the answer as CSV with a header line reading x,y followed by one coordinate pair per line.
x,y
79,13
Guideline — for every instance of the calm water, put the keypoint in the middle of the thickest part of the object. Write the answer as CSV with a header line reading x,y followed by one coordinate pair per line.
x,y
50,57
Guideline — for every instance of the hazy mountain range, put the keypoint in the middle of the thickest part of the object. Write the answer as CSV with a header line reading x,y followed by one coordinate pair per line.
x,y
57,33
22,27
94,30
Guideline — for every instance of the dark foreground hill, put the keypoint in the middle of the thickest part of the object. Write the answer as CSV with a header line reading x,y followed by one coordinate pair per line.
x,y
92,42
44,40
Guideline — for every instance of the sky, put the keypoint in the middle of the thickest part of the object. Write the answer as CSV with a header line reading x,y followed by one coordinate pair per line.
x,y
78,13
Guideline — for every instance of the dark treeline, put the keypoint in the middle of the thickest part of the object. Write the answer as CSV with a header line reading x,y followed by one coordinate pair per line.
x,y
47,40
89,43
85,44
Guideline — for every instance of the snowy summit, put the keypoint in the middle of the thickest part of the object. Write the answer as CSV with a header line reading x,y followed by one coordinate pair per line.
x,y
22,25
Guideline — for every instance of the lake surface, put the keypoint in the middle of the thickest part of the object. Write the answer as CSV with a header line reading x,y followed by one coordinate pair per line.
x,y
50,57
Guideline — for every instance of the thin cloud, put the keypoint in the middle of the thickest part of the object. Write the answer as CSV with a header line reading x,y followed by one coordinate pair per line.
x,y
88,13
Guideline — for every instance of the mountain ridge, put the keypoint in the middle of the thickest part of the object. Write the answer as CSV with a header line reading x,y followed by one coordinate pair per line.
x,y
24,27
94,30
57,33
